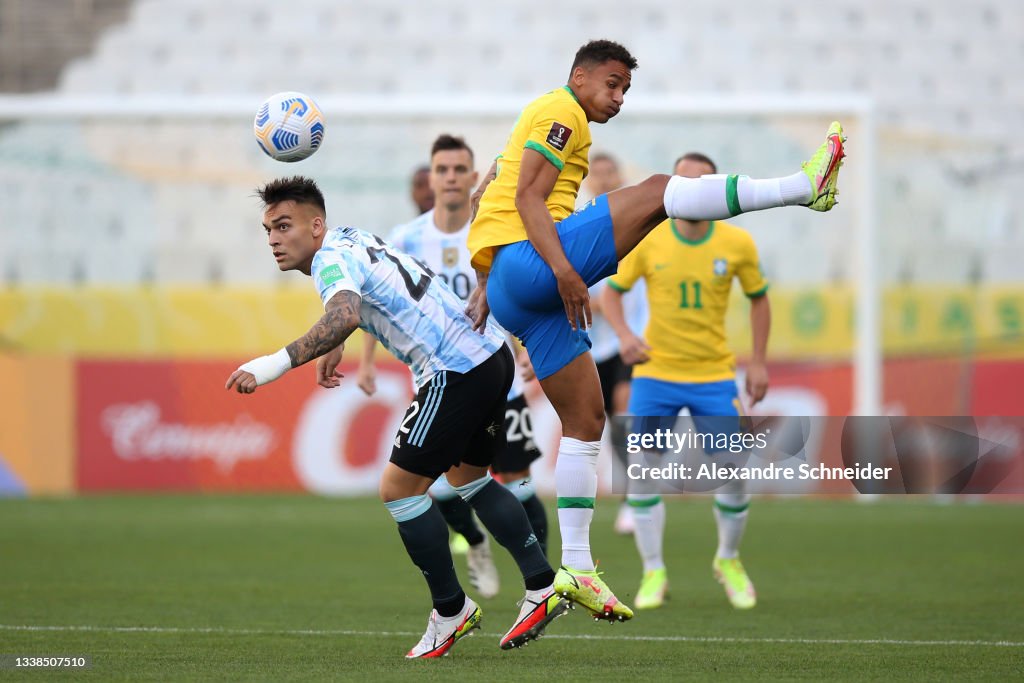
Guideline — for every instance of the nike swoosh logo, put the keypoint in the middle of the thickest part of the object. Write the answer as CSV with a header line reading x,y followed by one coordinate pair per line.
x,y
837,154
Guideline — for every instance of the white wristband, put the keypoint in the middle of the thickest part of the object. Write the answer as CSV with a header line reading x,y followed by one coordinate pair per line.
x,y
268,368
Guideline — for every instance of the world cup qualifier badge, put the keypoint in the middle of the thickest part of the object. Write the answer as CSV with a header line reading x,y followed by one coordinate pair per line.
x,y
559,135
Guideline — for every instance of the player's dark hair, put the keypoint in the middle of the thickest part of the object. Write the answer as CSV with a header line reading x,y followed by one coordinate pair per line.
x,y
298,189
597,52
604,156
446,142
699,158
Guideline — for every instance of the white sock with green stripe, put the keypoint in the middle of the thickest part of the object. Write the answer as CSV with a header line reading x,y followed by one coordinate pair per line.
x,y
716,197
576,487
649,533
731,517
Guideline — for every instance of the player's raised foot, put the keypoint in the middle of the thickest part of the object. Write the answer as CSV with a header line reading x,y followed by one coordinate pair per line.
x,y
653,589
823,169
458,545
537,609
586,588
737,584
624,522
483,574
443,632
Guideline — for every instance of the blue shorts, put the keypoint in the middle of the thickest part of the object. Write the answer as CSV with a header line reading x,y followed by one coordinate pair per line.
x,y
523,294
714,406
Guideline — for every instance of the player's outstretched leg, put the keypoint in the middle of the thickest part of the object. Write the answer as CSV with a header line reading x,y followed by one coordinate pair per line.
x,y
425,536
505,519
731,519
638,209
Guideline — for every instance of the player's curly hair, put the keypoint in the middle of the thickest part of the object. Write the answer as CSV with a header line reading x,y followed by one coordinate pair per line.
x,y
300,189
446,142
600,51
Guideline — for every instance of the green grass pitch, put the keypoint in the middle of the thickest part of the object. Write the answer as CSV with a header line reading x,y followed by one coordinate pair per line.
x,y
304,588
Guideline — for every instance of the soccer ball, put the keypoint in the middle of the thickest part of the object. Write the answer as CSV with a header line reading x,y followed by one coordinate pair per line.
x,y
289,126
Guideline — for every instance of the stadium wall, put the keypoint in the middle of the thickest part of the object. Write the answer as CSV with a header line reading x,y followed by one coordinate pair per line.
x,y
120,390
37,438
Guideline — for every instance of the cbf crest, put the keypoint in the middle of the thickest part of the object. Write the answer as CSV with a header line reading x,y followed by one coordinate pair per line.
x,y
720,267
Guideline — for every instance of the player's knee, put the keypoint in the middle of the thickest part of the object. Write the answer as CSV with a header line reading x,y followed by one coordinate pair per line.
x,y
509,477
655,185
391,490
387,492
587,424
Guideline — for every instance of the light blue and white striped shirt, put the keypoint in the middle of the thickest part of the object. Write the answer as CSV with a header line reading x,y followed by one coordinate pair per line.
x,y
404,305
447,254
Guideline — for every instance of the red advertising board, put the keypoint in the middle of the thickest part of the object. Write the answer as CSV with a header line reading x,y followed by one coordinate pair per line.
x,y
170,425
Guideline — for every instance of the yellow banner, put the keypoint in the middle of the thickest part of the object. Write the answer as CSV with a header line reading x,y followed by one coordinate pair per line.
x,y
156,322
821,322
807,322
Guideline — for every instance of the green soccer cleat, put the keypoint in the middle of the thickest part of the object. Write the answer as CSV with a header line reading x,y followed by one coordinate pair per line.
x,y
653,589
738,587
823,169
586,588
458,545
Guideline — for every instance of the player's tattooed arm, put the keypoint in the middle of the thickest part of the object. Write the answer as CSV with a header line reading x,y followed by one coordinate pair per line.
x,y
339,321
474,201
341,318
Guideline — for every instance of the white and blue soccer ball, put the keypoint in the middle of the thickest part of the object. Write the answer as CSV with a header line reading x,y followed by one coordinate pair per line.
x,y
289,126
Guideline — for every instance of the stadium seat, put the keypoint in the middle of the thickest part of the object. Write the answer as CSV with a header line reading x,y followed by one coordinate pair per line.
x,y
953,264
919,60
1003,265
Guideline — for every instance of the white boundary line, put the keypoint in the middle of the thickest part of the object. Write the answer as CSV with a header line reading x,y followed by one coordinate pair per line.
x,y
411,634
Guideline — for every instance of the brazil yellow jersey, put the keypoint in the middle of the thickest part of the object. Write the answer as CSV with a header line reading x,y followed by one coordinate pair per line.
x,y
556,126
688,286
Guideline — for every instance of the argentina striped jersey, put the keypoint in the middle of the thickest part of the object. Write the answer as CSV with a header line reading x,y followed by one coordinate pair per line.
x,y
404,305
447,254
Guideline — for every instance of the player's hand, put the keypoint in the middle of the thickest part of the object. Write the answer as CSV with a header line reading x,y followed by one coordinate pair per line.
x,y
242,381
327,374
757,382
633,350
474,203
576,298
478,309
259,371
366,378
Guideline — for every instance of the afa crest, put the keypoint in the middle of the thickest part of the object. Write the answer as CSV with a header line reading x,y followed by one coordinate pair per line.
x,y
450,257
721,267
